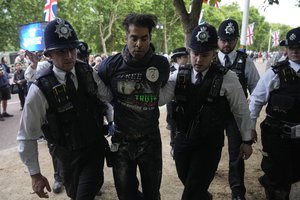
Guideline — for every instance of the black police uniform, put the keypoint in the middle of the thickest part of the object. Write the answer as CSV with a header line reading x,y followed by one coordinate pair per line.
x,y
201,117
229,30
282,113
73,119
200,130
280,131
66,122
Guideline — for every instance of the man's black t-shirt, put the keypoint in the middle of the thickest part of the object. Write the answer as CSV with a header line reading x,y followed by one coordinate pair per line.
x,y
135,91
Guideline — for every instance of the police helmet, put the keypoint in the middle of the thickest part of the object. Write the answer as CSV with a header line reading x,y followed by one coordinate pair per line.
x,y
292,38
204,38
181,51
228,29
59,34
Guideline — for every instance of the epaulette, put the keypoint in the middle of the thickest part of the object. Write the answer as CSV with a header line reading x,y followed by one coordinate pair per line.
x,y
172,68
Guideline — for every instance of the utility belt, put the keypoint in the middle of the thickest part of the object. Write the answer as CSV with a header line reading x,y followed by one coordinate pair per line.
x,y
286,129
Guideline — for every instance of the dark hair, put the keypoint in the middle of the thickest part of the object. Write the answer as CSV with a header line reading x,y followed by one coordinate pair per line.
x,y
2,60
140,20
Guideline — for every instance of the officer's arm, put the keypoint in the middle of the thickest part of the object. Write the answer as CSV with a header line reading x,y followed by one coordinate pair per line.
x,y
104,92
260,96
252,75
109,115
30,74
166,93
31,121
238,104
33,57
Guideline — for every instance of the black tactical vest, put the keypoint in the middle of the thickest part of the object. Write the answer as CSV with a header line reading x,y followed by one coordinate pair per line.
x,y
72,122
238,66
284,102
200,104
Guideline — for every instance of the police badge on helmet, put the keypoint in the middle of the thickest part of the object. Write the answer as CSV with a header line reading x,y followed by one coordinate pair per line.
x,y
204,38
59,34
228,30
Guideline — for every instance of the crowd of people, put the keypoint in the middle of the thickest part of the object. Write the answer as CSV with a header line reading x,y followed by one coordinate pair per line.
x,y
211,91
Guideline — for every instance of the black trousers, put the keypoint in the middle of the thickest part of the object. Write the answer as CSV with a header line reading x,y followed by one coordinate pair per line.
x,y
280,161
22,95
236,163
146,153
83,171
196,164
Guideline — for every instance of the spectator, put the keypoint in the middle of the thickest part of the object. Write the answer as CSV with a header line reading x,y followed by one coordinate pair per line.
x,y
19,79
4,91
21,58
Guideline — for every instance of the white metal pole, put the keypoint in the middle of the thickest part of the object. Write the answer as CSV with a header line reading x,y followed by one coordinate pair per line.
x,y
269,45
245,24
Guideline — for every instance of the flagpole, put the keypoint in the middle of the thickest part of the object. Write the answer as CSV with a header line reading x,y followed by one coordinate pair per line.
x,y
270,35
201,17
245,24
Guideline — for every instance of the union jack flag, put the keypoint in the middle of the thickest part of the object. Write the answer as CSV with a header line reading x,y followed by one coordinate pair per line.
x,y
250,34
275,38
50,9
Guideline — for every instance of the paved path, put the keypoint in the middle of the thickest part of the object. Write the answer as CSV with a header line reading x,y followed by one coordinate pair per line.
x,y
9,127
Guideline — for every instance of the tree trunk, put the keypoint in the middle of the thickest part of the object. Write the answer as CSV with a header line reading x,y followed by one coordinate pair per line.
x,y
189,20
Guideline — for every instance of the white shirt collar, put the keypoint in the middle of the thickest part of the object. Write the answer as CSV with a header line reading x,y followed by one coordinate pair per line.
x,y
61,75
231,56
194,74
294,65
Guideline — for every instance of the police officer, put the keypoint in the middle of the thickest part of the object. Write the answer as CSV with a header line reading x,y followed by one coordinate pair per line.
x,y
279,88
178,58
237,61
205,93
63,105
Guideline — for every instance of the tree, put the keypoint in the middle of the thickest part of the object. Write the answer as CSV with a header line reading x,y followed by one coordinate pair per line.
x,y
189,20
99,23
271,2
93,19
12,15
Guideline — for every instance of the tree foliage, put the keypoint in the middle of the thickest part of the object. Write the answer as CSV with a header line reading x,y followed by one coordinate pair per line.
x,y
99,23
